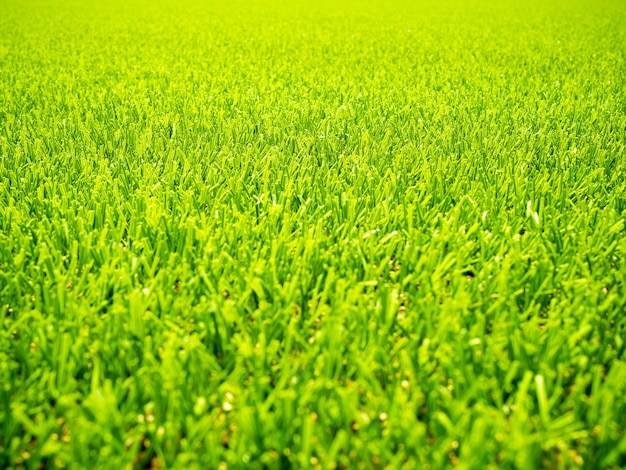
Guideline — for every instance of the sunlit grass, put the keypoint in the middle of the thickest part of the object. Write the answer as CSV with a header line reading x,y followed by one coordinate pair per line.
x,y
299,234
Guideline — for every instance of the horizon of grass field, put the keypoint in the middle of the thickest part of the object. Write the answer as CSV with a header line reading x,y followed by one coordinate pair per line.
x,y
271,234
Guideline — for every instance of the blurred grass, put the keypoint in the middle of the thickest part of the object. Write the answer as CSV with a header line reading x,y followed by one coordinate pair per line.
x,y
273,234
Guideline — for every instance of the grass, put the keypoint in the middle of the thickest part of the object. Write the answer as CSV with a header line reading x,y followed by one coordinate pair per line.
x,y
273,234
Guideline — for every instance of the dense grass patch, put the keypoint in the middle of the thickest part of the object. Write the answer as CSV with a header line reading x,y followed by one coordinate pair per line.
x,y
343,234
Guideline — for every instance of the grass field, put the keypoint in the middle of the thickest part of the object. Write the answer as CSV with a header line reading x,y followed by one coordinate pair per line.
x,y
312,234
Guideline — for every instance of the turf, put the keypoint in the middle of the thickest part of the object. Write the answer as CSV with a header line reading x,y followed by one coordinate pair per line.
x,y
312,234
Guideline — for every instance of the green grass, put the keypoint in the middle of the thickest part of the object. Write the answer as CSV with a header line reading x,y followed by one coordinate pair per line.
x,y
333,234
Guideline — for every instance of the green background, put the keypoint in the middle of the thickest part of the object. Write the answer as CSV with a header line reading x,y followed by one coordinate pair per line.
x,y
344,234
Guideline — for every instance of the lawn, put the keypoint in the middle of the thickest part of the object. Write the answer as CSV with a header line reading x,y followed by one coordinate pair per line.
x,y
313,234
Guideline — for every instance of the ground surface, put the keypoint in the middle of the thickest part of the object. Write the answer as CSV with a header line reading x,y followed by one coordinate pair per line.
x,y
297,234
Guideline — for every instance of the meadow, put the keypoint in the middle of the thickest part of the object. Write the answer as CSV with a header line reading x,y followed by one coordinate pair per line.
x,y
312,234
